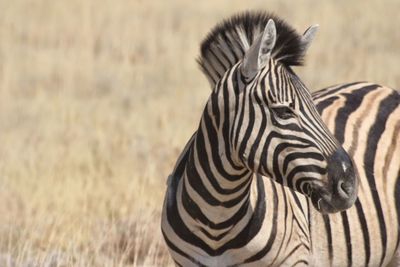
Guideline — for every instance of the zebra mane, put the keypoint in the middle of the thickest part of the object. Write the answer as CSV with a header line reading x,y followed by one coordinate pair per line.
x,y
228,41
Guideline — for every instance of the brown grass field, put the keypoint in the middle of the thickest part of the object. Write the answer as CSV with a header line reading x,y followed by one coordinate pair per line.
x,y
97,98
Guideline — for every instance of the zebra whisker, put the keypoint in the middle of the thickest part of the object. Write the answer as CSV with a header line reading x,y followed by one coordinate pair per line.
x,y
319,204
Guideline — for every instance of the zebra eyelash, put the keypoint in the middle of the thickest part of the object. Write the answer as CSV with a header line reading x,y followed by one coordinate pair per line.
x,y
283,112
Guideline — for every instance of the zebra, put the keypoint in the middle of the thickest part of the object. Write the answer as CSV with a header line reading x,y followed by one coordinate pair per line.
x,y
265,180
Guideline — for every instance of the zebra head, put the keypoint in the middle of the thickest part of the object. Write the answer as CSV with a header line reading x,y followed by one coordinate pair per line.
x,y
281,134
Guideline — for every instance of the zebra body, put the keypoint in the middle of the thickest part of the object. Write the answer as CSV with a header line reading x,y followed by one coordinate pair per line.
x,y
352,237
259,181
365,118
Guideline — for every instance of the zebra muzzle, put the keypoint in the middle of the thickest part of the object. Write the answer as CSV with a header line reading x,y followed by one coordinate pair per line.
x,y
341,189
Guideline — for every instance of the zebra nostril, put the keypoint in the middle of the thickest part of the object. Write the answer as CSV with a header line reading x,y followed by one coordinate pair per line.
x,y
344,189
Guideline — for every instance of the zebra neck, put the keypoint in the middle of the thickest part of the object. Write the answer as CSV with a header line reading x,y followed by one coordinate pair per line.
x,y
211,164
224,194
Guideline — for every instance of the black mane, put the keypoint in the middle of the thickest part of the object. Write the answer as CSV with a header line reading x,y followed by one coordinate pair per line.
x,y
228,41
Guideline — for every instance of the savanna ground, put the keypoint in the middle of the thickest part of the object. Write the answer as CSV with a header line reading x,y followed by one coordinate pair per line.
x,y
97,98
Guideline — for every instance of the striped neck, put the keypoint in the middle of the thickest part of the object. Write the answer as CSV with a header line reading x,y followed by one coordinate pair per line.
x,y
214,181
218,207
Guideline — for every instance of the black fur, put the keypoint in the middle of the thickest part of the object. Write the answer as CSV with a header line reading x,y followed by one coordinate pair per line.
x,y
223,38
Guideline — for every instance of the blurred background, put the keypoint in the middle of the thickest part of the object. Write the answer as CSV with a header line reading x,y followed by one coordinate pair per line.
x,y
97,99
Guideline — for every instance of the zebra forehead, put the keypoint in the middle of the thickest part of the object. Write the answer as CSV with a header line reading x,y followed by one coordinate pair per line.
x,y
281,87
229,40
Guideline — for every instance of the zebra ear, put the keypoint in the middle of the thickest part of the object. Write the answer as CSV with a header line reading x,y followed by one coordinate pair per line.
x,y
259,52
308,36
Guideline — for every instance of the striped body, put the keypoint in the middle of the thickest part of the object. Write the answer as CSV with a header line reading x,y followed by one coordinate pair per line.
x,y
365,118
272,174
276,226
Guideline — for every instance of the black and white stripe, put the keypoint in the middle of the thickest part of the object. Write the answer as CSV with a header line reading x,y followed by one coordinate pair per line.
x,y
259,181
365,118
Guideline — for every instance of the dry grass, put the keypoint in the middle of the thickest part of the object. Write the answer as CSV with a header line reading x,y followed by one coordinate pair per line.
x,y
98,97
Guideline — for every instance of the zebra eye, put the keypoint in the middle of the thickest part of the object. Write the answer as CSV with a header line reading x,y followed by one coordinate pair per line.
x,y
283,112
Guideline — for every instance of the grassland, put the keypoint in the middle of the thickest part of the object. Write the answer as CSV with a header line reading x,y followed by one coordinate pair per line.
x,y
97,98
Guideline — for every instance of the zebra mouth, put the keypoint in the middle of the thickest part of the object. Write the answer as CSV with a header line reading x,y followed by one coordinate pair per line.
x,y
322,202
321,199
326,202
